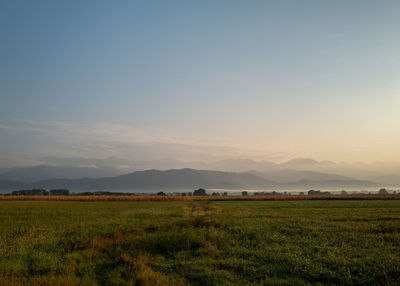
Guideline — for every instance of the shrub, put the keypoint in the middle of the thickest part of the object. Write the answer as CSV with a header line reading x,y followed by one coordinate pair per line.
x,y
200,192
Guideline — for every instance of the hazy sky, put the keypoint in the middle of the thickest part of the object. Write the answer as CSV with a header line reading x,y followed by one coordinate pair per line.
x,y
272,79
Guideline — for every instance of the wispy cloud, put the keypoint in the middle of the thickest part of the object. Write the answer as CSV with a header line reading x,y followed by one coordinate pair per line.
x,y
104,132
105,140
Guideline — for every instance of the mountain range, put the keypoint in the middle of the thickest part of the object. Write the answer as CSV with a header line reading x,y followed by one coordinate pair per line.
x,y
289,171
186,179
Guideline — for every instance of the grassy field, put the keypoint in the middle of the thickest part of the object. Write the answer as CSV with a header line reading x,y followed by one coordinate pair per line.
x,y
287,242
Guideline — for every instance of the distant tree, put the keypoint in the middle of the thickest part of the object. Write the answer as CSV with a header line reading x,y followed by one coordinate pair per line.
x,y
245,193
33,192
161,194
59,192
313,192
383,191
225,193
301,193
318,193
40,192
200,192
215,194
343,193
86,194
183,194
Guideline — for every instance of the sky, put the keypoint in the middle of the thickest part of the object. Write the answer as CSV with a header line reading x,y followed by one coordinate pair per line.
x,y
268,80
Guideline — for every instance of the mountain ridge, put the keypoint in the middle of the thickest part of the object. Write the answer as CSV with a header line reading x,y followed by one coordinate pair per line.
x,y
179,179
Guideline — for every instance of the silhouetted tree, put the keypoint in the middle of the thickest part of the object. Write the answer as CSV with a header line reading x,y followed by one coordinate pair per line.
x,y
200,192
161,194
383,191
33,192
245,193
86,194
318,193
59,192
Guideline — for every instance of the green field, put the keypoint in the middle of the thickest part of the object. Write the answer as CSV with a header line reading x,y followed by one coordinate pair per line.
x,y
200,243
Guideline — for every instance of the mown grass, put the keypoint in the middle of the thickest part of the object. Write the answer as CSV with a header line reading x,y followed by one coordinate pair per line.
x,y
349,242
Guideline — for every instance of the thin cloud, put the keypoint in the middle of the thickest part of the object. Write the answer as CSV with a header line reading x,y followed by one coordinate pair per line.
x,y
105,140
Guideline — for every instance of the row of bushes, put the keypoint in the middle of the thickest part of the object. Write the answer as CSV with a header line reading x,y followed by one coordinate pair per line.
x,y
198,192
41,192
66,192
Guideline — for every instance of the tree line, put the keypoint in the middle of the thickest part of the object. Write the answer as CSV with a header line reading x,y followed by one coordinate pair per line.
x,y
197,192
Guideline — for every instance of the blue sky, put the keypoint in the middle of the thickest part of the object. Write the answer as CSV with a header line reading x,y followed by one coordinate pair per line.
x,y
294,78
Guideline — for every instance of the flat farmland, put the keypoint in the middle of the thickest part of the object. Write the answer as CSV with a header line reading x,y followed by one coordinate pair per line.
x,y
200,242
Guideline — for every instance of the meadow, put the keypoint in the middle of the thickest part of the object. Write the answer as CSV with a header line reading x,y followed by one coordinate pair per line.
x,y
200,242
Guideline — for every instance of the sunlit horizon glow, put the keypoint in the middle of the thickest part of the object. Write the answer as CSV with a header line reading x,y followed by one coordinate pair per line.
x,y
234,79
